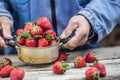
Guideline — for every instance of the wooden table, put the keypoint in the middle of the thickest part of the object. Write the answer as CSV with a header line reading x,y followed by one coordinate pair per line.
x,y
109,56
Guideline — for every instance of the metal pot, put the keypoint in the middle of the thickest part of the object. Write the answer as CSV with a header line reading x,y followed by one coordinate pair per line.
x,y
35,55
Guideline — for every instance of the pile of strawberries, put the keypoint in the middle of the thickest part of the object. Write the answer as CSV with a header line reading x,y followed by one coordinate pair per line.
x,y
95,71
7,70
37,34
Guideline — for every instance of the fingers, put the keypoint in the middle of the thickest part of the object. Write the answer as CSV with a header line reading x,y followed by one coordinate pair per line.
x,y
6,25
81,27
79,39
2,43
72,25
5,30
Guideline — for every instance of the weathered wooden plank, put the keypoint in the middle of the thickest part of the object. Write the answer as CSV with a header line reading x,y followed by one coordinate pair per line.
x,y
40,73
108,56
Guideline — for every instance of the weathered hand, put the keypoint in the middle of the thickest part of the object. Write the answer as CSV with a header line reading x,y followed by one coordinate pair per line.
x,y
81,27
5,30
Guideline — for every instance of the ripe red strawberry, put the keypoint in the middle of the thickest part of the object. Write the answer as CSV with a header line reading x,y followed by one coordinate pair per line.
x,y
36,31
52,42
6,70
50,34
60,67
44,23
92,74
19,31
102,69
62,56
1,67
21,40
90,57
79,62
42,42
17,74
31,42
5,61
28,26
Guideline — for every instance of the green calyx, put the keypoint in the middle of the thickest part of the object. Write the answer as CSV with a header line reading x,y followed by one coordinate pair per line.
x,y
96,61
4,62
38,36
75,61
18,38
96,76
64,66
35,28
26,34
49,37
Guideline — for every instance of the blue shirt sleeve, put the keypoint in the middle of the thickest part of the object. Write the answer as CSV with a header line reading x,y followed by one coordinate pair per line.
x,y
4,10
103,15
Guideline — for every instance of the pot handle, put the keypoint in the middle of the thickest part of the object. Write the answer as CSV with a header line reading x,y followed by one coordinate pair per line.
x,y
14,45
63,41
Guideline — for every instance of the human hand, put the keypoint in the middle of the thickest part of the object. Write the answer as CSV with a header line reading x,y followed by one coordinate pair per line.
x,y
81,27
5,30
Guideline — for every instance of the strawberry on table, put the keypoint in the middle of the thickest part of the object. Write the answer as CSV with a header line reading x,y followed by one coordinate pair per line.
x,y
79,62
17,74
92,73
90,57
19,31
44,23
102,69
60,67
36,30
42,42
31,42
5,61
62,56
5,71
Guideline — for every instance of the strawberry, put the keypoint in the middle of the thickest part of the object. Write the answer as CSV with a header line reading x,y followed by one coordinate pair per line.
x,y
5,71
28,26
90,57
44,23
17,74
60,67
31,42
42,42
26,34
79,62
21,40
102,69
62,56
19,31
52,42
50,34
92,73
5,61
36,31
1,67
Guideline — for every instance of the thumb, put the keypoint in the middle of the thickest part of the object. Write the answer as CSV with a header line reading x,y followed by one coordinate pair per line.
x,y
6,29
69,29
